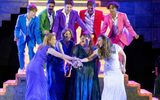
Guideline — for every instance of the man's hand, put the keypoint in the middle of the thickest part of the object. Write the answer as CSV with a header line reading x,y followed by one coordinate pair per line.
x,y
136,36
46,31
54,33
15,39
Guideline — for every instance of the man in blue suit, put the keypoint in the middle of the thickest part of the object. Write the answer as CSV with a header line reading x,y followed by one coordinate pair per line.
x,y
27,31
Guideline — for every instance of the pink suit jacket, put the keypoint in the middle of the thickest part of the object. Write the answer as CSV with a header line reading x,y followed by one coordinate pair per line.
x,y
125,31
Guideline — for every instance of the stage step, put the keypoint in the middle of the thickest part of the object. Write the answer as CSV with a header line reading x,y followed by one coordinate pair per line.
x,y
15,89
9,7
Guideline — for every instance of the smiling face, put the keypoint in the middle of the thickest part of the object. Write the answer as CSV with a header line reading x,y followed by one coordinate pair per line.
x,y
50,7
68,8
90,9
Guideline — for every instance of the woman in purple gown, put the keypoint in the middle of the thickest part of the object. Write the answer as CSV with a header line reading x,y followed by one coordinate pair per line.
x,y
37,88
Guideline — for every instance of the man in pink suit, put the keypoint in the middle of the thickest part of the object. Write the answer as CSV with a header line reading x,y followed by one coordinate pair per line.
x,y
92,18
117,26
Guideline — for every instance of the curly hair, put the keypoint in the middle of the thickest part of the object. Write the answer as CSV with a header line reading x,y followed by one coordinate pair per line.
x,y
106,49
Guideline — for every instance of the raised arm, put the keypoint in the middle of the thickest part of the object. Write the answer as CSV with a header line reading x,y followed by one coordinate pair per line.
x,y
81,23
59,55
91,57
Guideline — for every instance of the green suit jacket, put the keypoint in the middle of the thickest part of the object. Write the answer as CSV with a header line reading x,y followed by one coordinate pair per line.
x,y
44,22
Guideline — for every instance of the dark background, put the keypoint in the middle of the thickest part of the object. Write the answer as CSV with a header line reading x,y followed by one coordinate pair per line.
x,y
144,16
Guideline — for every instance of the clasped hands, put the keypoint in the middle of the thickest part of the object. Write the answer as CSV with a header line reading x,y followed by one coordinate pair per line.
x,y
76,63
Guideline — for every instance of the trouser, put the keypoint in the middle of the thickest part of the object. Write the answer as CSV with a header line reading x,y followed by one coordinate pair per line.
x,y
21,50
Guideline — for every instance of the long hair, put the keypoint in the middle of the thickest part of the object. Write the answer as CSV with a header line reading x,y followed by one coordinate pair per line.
x,y
106,49
48,38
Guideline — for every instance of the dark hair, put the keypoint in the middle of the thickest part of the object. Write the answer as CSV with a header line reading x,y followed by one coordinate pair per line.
x,y
90,43
32,7
51,1
65,30
91,3
115,4
69,2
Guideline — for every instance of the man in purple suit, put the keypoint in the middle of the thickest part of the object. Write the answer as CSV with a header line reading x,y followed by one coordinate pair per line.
x,y
67,18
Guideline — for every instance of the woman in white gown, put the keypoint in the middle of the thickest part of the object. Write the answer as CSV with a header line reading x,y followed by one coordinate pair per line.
x,y
114,70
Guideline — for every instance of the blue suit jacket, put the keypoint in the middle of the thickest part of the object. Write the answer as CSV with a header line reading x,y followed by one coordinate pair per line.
x,y
33,30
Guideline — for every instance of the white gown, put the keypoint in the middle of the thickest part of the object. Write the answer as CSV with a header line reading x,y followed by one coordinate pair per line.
x,y
114,88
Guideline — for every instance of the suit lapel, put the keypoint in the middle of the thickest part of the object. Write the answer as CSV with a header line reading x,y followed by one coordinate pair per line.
x,y
63,17
110,21
118,15
47,16
71,15
32,20
83,15
95,16
24,20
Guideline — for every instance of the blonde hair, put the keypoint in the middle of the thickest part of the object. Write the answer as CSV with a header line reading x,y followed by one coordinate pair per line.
x,y
48,38
106,49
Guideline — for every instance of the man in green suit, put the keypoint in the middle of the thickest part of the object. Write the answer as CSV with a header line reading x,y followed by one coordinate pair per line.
x,y
47,18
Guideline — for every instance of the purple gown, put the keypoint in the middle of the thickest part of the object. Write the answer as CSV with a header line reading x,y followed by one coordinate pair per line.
x,y
37,88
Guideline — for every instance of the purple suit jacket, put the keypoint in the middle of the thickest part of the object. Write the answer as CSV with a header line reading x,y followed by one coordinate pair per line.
x,y
125,31
60,20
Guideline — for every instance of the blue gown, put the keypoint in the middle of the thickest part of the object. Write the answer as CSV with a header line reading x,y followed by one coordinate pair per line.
x,y
84,83
37,88
55,72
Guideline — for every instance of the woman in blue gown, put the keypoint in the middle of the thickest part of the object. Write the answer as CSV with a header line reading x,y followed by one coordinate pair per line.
x,y
37,87
84,84
56,75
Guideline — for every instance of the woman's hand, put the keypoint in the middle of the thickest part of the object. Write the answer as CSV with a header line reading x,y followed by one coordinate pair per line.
x,y
75,58
77,63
